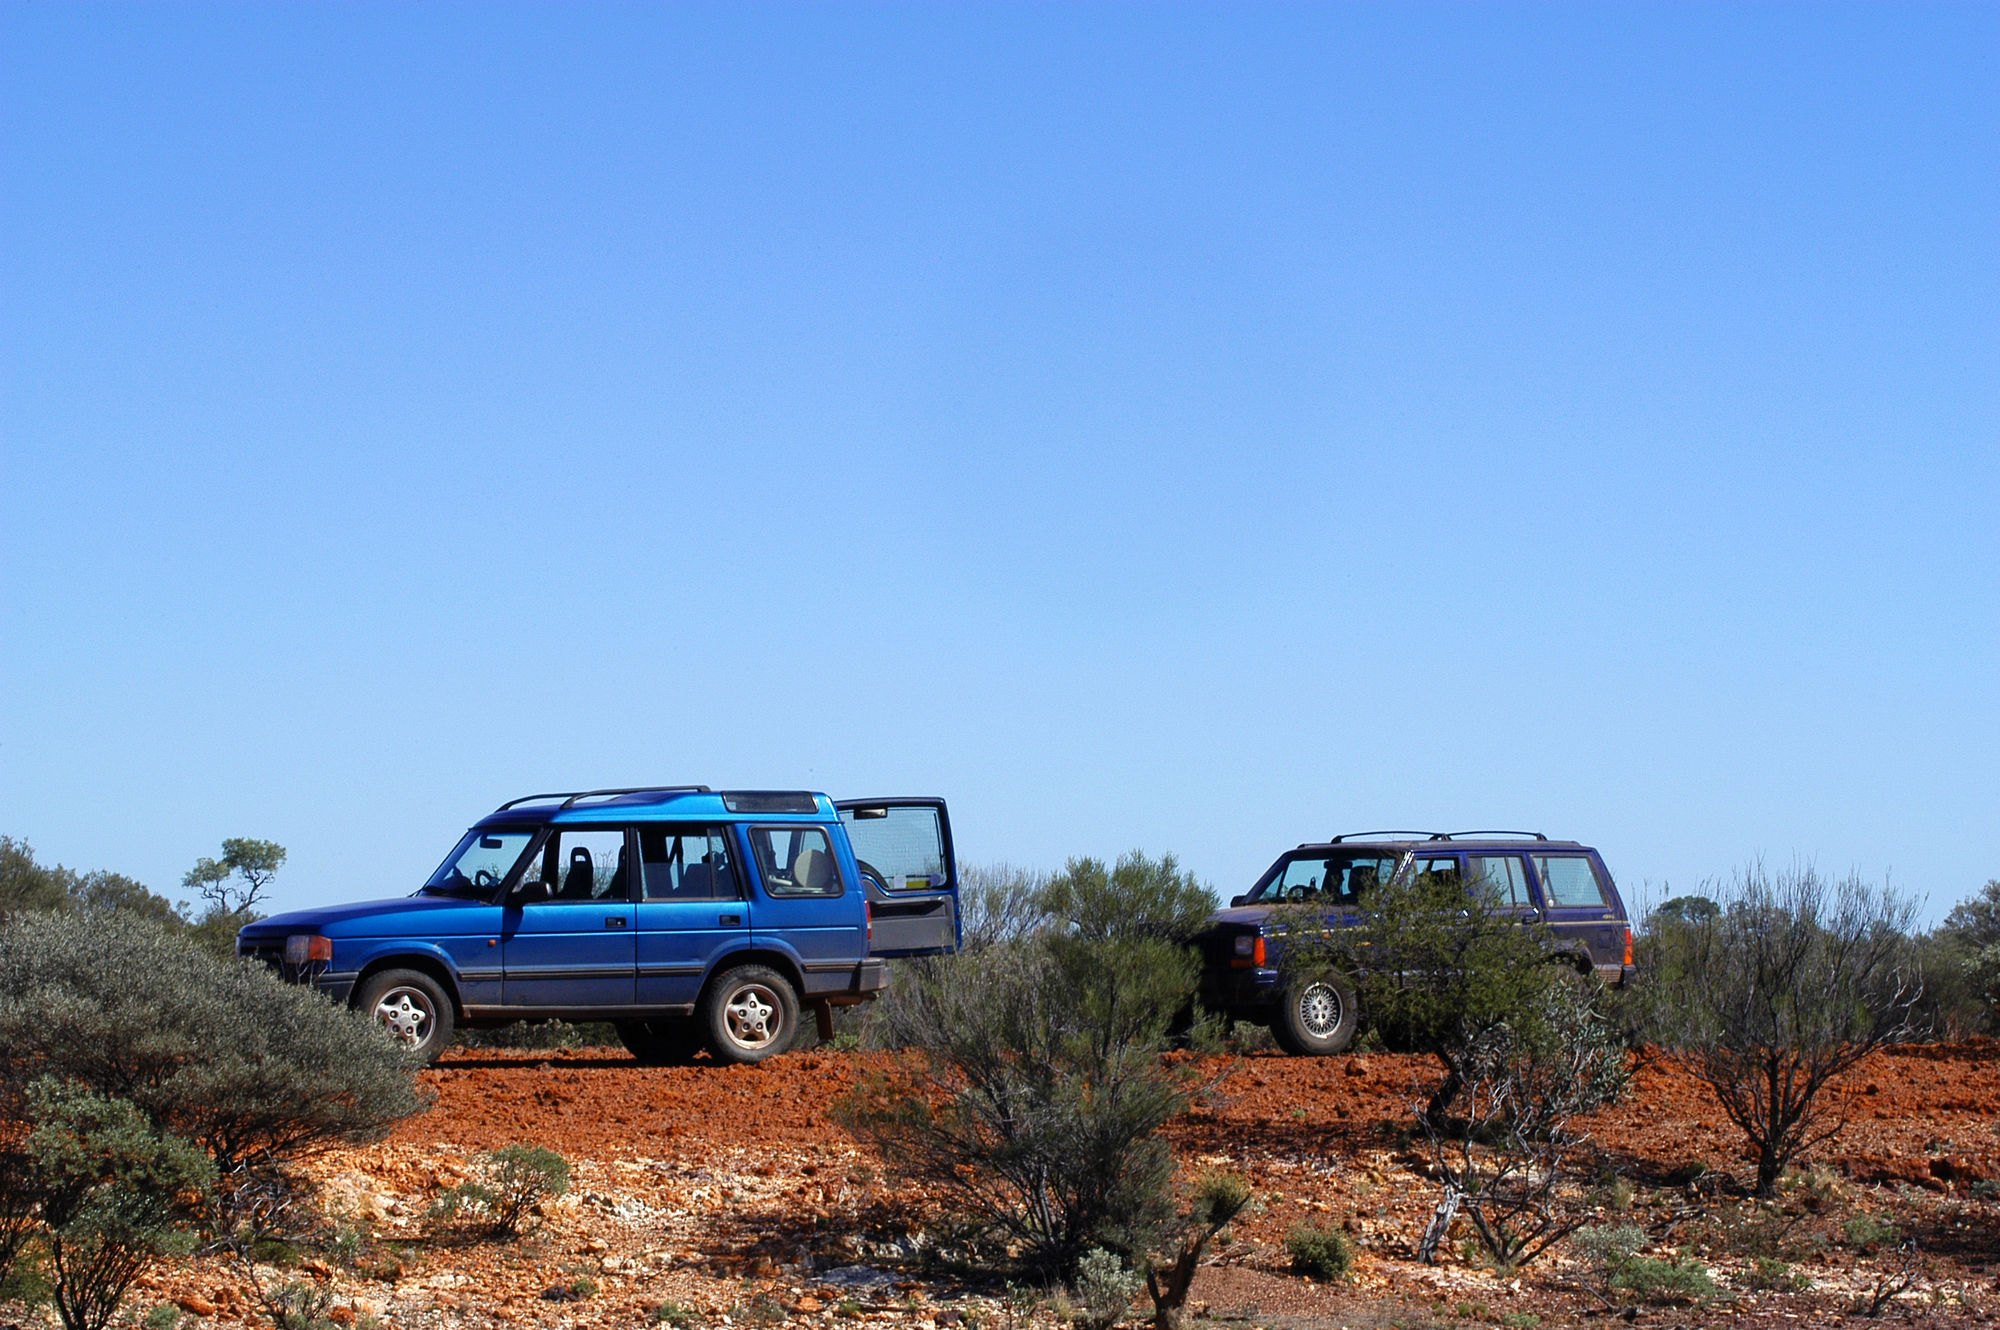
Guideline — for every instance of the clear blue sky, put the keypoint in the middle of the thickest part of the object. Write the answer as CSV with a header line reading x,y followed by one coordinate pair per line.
x,y
1197,428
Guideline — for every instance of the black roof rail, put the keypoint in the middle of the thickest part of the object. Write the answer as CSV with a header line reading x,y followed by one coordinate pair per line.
x,y
1468,835
569,797
1369,835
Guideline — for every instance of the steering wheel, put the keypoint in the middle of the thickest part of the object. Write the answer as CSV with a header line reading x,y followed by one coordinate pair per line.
x,y
484,878
870,870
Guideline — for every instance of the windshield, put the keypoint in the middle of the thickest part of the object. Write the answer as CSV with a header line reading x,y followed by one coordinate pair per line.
x,y
479,863
1337,879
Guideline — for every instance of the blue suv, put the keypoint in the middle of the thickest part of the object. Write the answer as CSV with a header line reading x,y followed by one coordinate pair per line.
x,y
1559,883
687,917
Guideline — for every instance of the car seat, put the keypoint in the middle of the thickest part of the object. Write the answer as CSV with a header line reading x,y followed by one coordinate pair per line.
x,y
582,876
812,870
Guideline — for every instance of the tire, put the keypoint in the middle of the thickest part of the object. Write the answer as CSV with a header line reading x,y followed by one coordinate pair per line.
x,y
748,1014
412,1007
660,1043
1316,1016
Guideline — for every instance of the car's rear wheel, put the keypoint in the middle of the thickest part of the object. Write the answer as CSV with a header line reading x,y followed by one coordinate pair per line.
x,y
411,1006
660,1043
749,1013
1316,1016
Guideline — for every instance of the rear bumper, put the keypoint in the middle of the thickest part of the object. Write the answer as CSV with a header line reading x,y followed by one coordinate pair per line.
x,y
863,979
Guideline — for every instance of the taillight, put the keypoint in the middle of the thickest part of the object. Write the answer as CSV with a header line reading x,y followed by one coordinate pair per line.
x,y
1628,946
868,913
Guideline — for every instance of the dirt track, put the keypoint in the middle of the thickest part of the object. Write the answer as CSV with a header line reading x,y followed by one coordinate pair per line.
x,y
720,1188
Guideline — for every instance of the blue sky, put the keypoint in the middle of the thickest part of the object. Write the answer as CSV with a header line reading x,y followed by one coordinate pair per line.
x,y
1200,428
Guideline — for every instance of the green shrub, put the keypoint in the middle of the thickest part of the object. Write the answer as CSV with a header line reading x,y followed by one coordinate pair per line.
x,y
1776,1276
162,1316
1613,1250
221,1052
113,1195
1104,1289
1215,1200
1864,1233
515,1180
1319,1251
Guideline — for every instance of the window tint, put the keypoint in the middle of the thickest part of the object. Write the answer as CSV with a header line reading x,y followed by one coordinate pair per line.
x,y
1568,879
1337,879
578,864
1505,877
795,861
904,847
686,863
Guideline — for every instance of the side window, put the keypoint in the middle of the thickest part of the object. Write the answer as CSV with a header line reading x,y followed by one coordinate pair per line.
x,y
578,865
1439,868
901,846
686,863
795,861
1504,876
1341,881
1568,879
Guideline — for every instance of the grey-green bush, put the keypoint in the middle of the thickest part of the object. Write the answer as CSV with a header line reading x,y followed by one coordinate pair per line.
x,y
1042,1058
113,1195
253,1070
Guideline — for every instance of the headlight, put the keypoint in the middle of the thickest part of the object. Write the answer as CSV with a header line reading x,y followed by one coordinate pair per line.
x,y
301,948
1244,943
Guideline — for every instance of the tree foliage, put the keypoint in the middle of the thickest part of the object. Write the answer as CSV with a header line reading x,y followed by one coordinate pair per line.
x,y
235,883
1136,897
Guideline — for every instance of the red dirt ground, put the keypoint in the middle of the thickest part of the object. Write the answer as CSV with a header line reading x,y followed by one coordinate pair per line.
x,y
726,1192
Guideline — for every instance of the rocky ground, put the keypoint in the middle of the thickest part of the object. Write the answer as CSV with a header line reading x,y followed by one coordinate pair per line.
x,y
724,1195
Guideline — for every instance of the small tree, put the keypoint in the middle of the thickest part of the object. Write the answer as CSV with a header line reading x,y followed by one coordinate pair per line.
x,y
235,883
1436,962
1216,1200
1523,1083
1777,996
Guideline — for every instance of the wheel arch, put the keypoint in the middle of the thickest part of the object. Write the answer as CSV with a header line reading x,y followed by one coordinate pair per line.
x,y
785,965
411,960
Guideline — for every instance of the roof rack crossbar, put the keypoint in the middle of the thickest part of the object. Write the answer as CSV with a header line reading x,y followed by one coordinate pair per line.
x,y
569,797
1525,835
1399,831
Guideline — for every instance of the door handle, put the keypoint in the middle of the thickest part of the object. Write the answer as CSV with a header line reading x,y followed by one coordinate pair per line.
x,y
614,921
730,919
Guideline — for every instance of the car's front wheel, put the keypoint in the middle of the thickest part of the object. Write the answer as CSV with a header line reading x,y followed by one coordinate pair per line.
x,y
749,1013
411,1006
1316,1016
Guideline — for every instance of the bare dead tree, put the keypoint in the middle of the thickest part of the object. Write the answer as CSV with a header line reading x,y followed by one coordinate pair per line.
x,y
1777,996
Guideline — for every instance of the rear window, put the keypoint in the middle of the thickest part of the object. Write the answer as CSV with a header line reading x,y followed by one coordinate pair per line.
x,y
901,846
1569,879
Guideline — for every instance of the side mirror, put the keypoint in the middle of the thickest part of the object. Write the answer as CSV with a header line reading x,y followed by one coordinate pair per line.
x,y
1238,900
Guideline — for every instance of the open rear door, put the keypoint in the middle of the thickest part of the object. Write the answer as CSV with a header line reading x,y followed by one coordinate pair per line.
x,y
907,870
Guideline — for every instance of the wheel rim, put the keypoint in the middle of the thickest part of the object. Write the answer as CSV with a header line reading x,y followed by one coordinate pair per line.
x,y
753,1016
1319,1010
406,1014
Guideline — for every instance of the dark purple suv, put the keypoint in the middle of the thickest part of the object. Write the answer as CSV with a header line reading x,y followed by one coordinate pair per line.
x,y
1560,883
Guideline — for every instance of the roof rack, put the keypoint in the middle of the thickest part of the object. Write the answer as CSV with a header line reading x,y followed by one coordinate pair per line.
x,y
1370,835
569,797
1467,835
